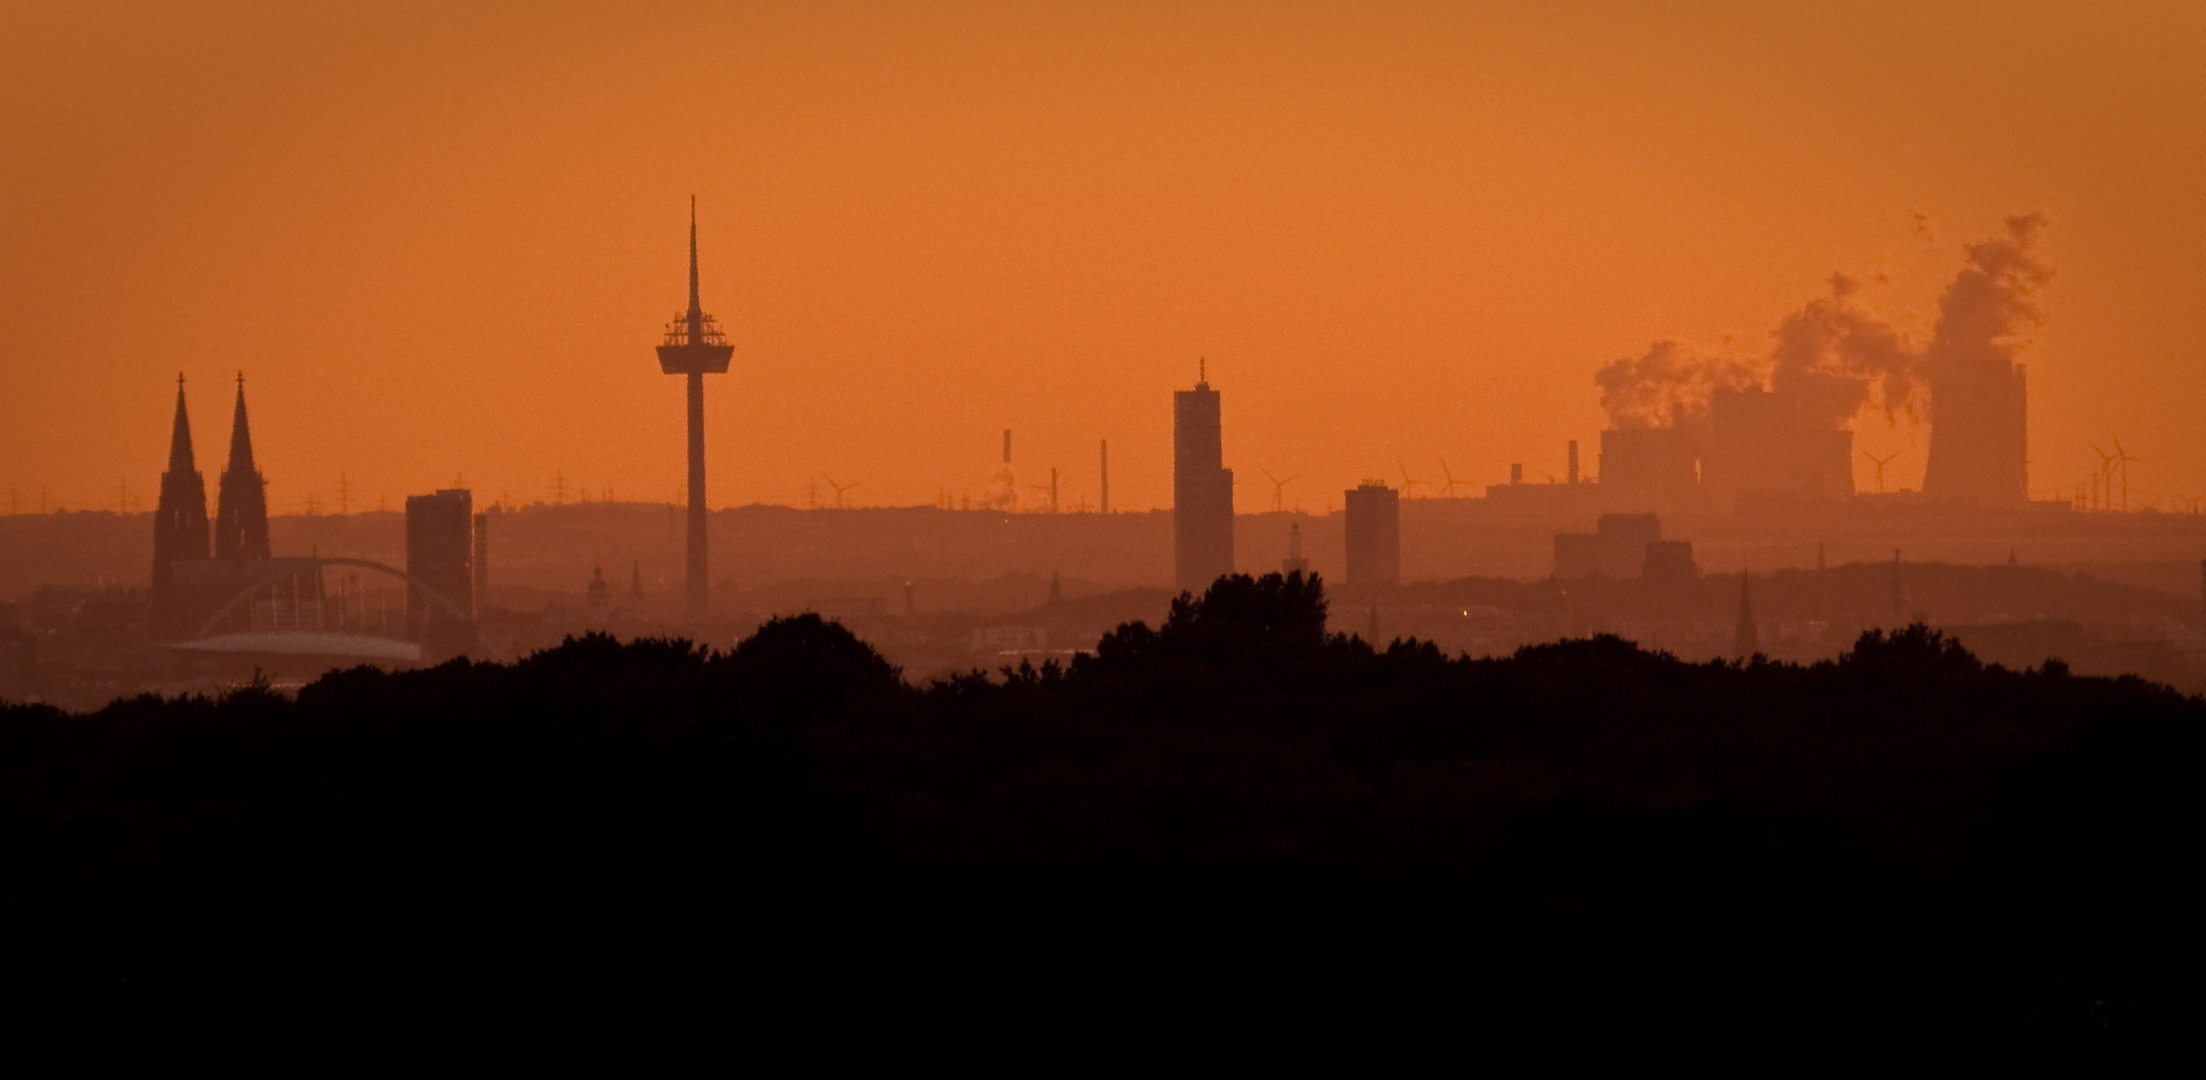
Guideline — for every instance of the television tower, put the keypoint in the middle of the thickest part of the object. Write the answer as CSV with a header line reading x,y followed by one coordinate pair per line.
x,y
695,347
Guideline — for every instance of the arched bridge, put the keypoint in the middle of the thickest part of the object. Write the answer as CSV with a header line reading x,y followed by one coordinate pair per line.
x,y
275,575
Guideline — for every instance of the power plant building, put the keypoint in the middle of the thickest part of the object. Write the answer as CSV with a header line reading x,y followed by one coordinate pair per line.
x,y
1758,450
1649,470
1374,534
1202,491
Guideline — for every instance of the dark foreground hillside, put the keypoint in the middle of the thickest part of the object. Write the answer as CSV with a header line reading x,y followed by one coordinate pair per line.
x,y
1232,808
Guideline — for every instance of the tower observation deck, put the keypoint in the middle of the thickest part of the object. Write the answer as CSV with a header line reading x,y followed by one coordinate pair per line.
x,y
695,347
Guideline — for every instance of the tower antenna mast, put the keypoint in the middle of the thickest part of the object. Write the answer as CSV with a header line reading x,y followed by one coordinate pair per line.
x,y
694,347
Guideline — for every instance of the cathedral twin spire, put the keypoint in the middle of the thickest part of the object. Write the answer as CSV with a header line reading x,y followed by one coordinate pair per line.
x,y
241,516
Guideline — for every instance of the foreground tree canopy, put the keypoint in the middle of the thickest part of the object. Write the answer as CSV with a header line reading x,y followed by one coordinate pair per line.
x,y
1905,835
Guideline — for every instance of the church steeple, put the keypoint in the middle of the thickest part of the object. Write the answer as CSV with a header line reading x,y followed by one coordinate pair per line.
x,y
241,516
179,524
1747,637
241,437
180,455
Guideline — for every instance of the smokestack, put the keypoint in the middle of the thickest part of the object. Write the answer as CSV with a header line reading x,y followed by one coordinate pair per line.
x,y
1007,446
1573,461
1516,474
1106,508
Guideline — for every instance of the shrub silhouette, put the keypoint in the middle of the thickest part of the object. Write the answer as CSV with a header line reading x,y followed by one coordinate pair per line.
x,y
1903,836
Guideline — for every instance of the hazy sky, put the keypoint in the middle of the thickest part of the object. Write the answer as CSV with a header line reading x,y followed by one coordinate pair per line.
x,y
442,239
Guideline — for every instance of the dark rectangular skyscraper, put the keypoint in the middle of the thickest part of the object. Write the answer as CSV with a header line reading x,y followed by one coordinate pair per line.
x,y
440,550
1202,491
1374,534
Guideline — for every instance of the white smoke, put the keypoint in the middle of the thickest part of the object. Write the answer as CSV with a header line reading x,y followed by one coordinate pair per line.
x,y
1835,357
1667,386
1990,304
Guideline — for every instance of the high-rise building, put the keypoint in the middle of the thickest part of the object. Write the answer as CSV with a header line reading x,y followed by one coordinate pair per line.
x,y
695,347
241,510
1374,534
179,527
440,547
1202,490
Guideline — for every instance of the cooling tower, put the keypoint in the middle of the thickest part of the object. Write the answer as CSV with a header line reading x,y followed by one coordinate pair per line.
x,y
1979,441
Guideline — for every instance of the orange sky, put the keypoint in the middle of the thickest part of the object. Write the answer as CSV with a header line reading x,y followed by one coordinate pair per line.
x,y
441,239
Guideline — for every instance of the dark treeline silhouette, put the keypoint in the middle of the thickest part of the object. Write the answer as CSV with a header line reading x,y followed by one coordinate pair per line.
x,y
1232,805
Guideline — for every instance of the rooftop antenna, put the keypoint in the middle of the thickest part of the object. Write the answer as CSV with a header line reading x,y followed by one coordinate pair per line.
x,y
1448,489
1880,466
1279,487
1407,484
839,489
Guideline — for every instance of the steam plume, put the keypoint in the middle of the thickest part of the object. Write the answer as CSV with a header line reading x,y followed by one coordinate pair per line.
x,y
1989,303
1833,356
1667,386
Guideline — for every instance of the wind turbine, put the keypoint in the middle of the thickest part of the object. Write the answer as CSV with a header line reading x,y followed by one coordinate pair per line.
x,y
840,488
1447,490
2122,459
1408,485
1279,487
2100,482
1880,466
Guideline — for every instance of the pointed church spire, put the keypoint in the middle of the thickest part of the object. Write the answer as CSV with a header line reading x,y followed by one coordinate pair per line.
x,y
1748,639
241,507
241,437
179,528
180,455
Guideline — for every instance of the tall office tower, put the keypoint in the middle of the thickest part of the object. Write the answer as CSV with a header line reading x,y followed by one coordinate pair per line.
x,y
440,548
179,525
695,347
1202,490
241,510
1374,534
